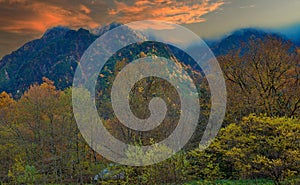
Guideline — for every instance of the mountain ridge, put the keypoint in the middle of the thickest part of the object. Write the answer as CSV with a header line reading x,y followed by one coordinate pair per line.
x,y
55,55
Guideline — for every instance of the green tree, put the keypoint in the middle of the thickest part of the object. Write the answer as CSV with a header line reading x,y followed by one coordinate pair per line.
x,y
173,170
261,146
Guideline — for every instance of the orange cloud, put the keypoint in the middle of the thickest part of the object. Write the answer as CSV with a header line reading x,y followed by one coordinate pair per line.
x,y
144,25
40,16
180,12
12,1
85,9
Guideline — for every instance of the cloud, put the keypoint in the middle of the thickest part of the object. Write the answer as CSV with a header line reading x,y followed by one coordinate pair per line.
x,y
249,6
24,20
37,16
85,9
180,12
146,25
12,1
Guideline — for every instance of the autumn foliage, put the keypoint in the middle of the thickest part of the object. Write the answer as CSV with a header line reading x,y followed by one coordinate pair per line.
x,y
41,144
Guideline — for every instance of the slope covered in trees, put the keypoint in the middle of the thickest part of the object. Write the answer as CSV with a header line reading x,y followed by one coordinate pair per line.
x,y
40,142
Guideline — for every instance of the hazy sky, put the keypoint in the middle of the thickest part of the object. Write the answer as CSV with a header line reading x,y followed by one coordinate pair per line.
x,y
25,20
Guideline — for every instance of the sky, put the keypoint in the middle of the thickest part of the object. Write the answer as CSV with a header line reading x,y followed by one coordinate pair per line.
x,y
24,20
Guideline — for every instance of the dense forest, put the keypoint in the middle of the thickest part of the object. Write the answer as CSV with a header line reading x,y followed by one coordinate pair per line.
x,y
260,137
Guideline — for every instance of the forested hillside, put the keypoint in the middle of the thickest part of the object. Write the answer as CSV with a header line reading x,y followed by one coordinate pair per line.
x,y
260,138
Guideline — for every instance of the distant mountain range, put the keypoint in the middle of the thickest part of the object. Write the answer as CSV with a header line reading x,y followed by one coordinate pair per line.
x,y
291,32
56,54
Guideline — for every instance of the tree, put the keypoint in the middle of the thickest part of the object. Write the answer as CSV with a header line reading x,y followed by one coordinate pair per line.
x,y
263,77
8,143
48,135
262,146
206,164
173,170
38,120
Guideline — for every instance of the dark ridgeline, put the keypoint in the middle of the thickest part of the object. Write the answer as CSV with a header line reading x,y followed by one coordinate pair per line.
x,y
56,53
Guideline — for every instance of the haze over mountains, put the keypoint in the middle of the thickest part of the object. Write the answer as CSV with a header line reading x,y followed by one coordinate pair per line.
x,y
56,54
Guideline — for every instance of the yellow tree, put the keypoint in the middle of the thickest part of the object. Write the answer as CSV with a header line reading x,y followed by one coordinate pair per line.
x,y
37,122
8,144
261,146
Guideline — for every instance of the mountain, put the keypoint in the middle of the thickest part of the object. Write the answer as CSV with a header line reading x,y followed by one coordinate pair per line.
x,y
239,37
101,30
292,32
56,54
235,39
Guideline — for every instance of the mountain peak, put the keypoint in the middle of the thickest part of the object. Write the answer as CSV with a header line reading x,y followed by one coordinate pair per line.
x,y
101,30
248,30
234,40
292,32
55,32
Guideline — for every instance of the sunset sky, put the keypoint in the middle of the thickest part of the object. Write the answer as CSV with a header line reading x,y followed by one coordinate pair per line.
x,y
25,20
